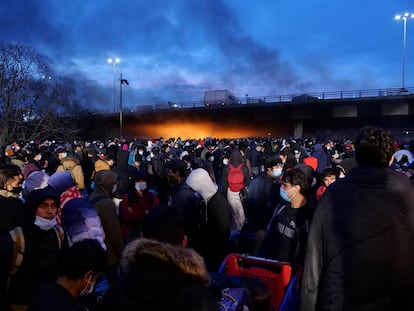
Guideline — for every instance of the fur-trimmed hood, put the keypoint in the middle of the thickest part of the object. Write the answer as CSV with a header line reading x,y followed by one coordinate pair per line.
x,y
186,260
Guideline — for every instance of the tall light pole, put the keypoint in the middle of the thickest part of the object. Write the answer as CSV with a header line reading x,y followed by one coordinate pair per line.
x,y
404,18
121,82
114,61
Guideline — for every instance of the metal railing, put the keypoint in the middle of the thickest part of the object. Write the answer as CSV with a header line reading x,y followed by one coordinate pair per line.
x,y
294,98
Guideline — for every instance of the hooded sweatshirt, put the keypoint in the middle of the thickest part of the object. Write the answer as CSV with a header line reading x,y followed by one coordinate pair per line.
x,y
211,239
101,199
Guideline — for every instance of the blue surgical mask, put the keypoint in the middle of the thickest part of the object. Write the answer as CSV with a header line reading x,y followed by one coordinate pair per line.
x,y
276,172
45,224
284,195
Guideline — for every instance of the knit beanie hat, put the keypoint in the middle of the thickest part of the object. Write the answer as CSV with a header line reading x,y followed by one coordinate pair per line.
x,y
36,197
61,181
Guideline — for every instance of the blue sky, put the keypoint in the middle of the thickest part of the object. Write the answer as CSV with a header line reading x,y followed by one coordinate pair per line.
x,y
174,50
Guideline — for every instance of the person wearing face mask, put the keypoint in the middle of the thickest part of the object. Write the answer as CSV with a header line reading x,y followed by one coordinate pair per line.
x,y
81,265
11,206
288,229
42,242
263,197
134,206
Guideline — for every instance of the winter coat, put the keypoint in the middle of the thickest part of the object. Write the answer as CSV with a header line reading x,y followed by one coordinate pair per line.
x,y
11,211
160,276
211,238
360,251
81,221
101,199
101,165
40,263
125,174
72,164
54,297
133,209
262,199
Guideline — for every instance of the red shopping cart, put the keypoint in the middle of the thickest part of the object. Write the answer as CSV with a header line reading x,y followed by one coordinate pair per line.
x,y
275,274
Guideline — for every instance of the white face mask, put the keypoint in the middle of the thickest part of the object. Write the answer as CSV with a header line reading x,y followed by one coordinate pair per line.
x,y
45,224
88,288
140,152
225,161
140,186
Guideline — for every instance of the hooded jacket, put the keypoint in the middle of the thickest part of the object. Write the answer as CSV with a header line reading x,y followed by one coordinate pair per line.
x,y
41,256
101,199
211,240
81,221
160,276
360,251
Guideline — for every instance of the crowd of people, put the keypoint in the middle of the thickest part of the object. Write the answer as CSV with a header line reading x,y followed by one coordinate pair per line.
x,y
144,224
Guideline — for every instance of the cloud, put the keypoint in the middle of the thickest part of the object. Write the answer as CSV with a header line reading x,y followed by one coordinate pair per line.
x,y
174,50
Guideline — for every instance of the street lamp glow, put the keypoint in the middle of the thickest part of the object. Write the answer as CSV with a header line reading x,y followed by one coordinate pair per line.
x,y
114,60
404,18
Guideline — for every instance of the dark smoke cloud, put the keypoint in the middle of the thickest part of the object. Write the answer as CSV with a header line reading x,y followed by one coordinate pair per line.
x,y
201,37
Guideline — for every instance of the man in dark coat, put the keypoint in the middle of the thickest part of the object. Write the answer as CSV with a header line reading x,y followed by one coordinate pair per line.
x,y
101,198
43,242
360,250
81,266
263,198
11,206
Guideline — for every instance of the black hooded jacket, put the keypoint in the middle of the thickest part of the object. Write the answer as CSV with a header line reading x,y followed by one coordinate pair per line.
x,y
360,250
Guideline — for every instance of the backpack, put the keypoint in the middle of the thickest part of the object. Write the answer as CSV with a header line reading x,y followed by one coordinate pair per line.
x,y
17,237
235,179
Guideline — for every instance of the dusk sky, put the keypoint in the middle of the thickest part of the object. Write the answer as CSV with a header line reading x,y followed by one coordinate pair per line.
x,y
174,50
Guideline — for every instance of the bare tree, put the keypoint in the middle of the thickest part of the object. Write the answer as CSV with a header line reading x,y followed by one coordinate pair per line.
x,y
34,102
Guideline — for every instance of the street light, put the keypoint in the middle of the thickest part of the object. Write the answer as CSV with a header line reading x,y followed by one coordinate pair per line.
x,y
121,82
404,18
114,61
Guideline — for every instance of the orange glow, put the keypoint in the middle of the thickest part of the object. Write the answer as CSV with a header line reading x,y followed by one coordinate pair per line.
x,y
195,129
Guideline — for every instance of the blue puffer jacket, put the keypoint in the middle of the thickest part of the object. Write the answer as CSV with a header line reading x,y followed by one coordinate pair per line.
x,y
81,221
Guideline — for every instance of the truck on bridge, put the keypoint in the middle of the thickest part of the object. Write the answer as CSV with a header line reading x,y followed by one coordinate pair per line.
x,y
219,98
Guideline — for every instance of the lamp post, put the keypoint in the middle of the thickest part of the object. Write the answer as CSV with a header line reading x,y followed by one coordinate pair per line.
x,y
404,18
114,61
121,82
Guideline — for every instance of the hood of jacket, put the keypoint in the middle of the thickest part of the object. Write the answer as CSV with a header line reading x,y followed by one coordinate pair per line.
x,y
122,158
70,161
105,181
185,260
200,181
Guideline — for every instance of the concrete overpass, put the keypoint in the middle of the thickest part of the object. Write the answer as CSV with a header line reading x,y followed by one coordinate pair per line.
x,y
326,115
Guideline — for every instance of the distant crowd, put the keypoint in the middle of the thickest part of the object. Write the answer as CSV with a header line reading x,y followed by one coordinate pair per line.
x,y
147,224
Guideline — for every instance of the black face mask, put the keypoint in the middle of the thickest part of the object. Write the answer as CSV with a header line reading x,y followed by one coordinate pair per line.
x,y
17,190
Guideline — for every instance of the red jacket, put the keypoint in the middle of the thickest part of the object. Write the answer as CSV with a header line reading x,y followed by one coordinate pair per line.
x,y
133,209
